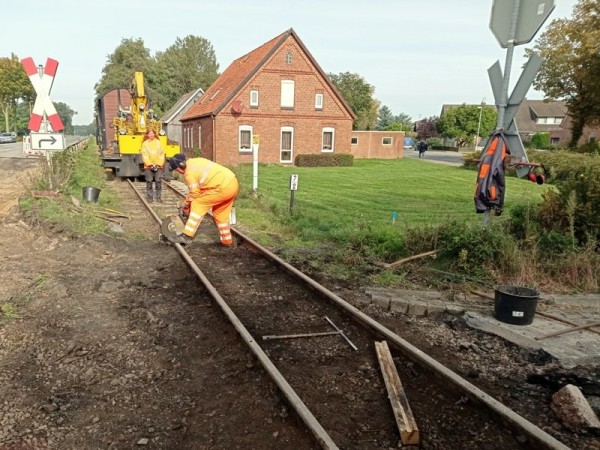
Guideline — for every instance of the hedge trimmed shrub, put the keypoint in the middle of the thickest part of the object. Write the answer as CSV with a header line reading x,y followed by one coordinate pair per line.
x,y
325,160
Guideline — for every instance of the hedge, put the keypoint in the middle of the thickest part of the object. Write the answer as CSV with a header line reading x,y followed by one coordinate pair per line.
x,y
325,160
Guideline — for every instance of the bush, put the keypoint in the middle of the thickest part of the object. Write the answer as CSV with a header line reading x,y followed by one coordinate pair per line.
x,y
471,160
444,147
475,249
573,208
325,160
540,140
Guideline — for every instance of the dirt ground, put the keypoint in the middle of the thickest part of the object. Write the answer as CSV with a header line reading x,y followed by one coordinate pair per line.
x,y
110,343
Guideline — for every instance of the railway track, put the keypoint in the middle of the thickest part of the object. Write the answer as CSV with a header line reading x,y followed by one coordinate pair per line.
x,y
333,381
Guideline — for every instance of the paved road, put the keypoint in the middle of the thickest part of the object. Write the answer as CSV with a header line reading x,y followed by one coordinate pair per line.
x,y
15,150
450,158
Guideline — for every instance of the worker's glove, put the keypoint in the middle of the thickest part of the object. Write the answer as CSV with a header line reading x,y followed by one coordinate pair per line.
x,y
184,212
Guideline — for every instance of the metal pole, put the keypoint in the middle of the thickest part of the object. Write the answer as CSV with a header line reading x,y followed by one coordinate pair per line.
x,y
502,104
478,126
255,167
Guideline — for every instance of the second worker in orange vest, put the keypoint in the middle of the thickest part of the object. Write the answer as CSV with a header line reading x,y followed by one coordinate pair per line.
x,y
210,186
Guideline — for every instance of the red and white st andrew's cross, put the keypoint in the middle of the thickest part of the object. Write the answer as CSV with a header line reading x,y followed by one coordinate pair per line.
x,y
42,85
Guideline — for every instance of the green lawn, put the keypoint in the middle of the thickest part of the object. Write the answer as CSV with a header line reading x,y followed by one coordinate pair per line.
x,y
421,193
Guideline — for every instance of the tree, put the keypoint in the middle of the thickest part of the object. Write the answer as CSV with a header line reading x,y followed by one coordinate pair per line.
x,y
66,115
14,86
388,122
461,123
129,57
185,66
359,96
385,118
427,128
571,65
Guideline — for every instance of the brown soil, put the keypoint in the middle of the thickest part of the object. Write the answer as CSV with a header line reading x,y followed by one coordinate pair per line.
x,y
116,345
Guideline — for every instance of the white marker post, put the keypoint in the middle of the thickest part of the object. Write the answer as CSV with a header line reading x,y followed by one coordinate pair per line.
x,y
255,142
293,189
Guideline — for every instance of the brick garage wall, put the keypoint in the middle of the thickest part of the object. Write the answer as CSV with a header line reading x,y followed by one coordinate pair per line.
x,y
370,144
268,118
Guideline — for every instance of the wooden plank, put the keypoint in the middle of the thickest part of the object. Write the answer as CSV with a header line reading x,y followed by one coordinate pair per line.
x,y
402,261
569,330
409,432
563,320
301,335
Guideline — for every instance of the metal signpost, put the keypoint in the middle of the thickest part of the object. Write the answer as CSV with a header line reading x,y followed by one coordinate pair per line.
x,y
293,189
515,22
45,124
255,142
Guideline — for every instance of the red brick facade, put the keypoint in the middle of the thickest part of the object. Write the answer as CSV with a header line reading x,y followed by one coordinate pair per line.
x,y
282,59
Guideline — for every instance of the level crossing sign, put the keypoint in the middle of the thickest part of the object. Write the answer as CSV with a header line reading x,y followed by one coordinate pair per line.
x,y
42,83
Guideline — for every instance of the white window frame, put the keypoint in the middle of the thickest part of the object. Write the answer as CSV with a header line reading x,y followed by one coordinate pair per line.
x,y
354,140
328,130
287,93
291,149
253,98
240,130
386,137
199,137
289,57
319,101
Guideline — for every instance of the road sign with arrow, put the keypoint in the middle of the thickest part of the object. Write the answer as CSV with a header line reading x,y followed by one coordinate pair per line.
x,y
47,141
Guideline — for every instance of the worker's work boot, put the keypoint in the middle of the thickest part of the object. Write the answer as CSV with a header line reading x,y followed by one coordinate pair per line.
x,y
182,239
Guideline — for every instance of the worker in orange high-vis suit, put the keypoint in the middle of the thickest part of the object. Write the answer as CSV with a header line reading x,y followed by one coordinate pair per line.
x,y
210,186
153,156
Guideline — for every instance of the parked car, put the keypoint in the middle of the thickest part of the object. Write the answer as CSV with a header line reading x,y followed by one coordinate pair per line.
x,y
7,138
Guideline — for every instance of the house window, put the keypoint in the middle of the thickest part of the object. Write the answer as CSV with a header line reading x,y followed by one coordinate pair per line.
x,y
199,137
287,145
554,141
354,140
287,93
253,99
386,141
245,138
318,101
288,58
328,140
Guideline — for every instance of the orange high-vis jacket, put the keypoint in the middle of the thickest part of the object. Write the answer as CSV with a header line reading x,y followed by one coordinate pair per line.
x,y
153,153
202,174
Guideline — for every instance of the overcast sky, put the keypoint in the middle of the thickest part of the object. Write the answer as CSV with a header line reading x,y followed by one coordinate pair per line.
x,y
417,54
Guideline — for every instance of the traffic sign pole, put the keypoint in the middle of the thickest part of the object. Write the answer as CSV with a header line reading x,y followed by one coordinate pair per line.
x,y
508,65
515,22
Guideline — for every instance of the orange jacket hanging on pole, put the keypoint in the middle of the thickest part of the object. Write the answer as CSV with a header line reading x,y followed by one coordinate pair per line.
x,y
491,182
210,185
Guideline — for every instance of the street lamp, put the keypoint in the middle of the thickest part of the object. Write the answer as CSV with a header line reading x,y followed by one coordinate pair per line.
x,y
480,108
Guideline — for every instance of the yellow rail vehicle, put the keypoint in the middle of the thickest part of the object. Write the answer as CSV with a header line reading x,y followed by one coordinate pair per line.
x,y
121,131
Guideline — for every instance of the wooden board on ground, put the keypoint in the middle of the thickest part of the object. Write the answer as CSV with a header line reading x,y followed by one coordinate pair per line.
x,y
409,432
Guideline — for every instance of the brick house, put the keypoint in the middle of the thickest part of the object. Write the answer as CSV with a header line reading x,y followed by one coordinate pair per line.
x,y
280,95
539,116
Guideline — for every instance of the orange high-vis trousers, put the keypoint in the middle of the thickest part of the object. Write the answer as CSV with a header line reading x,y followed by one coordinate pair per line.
x,y
220,199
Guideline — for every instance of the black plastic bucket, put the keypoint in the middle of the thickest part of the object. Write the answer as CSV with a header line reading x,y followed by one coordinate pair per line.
x,y
515,304
91,194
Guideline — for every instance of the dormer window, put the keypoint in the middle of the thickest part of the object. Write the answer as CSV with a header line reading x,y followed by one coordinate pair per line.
x,y
288,58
